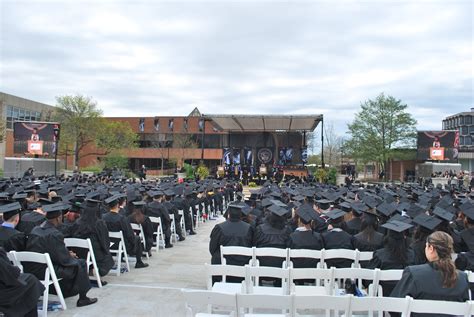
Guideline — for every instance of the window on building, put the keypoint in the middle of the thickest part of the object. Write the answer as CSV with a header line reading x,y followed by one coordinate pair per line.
x,y
471,129
464,130
468,120
461,140
468,141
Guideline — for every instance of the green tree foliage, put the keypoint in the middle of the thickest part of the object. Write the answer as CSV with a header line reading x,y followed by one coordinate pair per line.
x,y
115,135
381,126
116,160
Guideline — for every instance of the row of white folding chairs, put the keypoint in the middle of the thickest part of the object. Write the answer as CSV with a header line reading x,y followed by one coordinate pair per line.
x,y
326,281
160,236
288,254
291,305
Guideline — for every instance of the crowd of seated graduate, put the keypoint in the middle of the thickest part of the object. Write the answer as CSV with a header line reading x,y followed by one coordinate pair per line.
x,y
37,216
407,227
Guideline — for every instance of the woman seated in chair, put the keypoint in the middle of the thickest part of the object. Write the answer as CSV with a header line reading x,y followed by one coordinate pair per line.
x,y
89,225
438,279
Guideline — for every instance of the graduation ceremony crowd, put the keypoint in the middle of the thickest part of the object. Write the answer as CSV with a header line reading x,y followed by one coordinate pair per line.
x,y
39,213
409,227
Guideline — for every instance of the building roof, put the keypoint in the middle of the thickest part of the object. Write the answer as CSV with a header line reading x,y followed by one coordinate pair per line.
x,y
260,123
465,113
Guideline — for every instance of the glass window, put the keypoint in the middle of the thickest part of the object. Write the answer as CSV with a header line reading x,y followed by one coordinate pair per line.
x,y
467,141
464,130
461,140
9,111
15,114
471,130
22,115
461,120
38,116
27,115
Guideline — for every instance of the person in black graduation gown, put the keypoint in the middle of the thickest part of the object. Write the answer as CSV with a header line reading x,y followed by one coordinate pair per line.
x,y
426,226
169,193
91,226
354,225
436,280
336,238
396,253
10,238
368,239
138,216
304,237
157,209
31,218
116,222
465,259
273,233
19,291
232,232
183,203
71,270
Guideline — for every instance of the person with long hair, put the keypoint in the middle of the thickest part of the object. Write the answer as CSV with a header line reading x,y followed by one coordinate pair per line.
x,y
336,237
368,239
438,279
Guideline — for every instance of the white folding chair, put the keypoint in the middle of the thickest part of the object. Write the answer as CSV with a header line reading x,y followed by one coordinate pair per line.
x,y
330,304
271,252
243,251
440,307
121,250
160,237
138,228
362,256
366,306
11,257
319,288
375,289
49,275
224,271
181,222
337,254
90,257
304,254
173,229
357,274
265,304
470,279
196,299
255,274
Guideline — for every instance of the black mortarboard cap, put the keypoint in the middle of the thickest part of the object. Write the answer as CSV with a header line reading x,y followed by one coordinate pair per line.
x,y
169,192
112,199
335,214
266,202
139,204
469,213
443,214
428,222
44,201
9,210
278,203
306,213
324,203
19,196
397,226
401,218
414,210
277,210
386,209
359,208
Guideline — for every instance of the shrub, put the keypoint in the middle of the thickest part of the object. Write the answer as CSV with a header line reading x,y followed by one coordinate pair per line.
x,y
188,169
202,171
96,169
321,175
252,184
116,160
332,176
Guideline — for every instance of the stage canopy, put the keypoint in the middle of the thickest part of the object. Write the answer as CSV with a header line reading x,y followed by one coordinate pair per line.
x,y
269,123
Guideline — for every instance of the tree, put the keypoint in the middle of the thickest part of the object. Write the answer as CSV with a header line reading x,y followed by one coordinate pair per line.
x,y
159,141
80,121
115,135
2,129
381,126
332,146
184,142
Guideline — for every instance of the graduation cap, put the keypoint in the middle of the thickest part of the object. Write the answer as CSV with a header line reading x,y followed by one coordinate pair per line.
x,y
139,204
428,222
443,214
306,213
112,199
414,210
397,226
277,210
169,192
266,202
55,210
235,209
359,208
278,203
10,210
401,218
386,209
19,196
345,206
335,214
469,213
324,203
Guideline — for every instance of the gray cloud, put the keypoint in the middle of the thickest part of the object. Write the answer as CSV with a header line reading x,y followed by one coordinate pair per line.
x,y
302,57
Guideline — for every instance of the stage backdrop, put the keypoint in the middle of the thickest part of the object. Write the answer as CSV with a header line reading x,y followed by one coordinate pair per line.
x,y
35,137
438,146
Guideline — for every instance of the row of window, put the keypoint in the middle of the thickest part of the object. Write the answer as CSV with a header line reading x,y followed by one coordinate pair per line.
x,y
20,114
465,140
454,123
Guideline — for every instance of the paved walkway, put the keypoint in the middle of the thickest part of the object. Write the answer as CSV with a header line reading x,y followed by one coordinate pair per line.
x,y
153,291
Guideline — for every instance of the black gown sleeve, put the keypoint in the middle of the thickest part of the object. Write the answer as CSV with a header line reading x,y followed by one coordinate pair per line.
x,y
214,243
406,286
57,250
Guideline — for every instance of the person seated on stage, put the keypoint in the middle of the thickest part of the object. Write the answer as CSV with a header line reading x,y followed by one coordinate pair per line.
x,y
20,291
438,279
116,222
10,238
91,226
71,271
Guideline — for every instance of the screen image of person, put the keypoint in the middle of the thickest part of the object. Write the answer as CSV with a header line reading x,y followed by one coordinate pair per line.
x,y
436,142
34,135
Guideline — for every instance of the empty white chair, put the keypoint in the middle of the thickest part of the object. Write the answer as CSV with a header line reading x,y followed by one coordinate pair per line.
x,y
241,251
138,228
323,277
181,222
440,307
375,289
337,254
194,299
173,229
362,256
160,237
247,303
49,275
255,275
90,257
329,304
316,255
121,250
225,271
271,252
367,305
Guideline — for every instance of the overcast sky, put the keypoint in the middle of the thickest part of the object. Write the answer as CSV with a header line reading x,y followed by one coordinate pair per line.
x,y
249,57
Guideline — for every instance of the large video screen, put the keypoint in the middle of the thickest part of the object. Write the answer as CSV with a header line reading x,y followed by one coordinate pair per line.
x,y
438,146
38,138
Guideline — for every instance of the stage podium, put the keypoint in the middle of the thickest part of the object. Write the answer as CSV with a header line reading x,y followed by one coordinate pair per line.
x,y
35,147
437,153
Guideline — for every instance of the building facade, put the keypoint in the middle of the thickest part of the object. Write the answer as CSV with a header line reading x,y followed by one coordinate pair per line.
x,y
464,123
15,108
